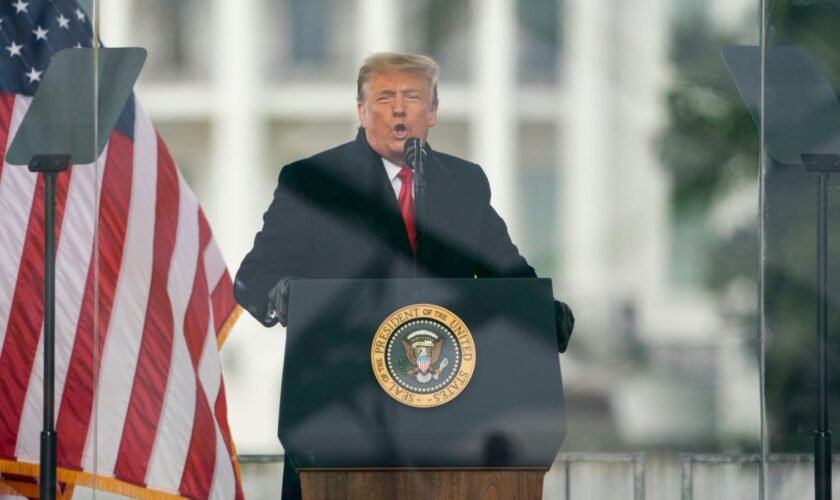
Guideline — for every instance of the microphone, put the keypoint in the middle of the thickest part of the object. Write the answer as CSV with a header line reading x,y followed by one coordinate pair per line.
x,y
414,153
415,157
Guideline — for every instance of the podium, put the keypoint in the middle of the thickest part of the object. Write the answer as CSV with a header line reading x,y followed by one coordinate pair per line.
x,y
446,389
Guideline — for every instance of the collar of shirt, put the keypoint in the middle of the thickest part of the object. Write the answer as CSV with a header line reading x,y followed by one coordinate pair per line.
x,y
392,171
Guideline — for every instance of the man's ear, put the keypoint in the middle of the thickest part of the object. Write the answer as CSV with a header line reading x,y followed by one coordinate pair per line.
x,y
360,109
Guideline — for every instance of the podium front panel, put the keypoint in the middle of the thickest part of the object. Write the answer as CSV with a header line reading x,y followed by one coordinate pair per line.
x,y
334,413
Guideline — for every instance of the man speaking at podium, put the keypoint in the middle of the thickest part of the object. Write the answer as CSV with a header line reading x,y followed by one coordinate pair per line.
x,y
349,212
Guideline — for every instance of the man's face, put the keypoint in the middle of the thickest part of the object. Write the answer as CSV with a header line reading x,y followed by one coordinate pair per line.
x,y
397,105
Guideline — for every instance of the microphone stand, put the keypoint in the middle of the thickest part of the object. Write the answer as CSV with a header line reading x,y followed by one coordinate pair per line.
x,y
413,154
419,191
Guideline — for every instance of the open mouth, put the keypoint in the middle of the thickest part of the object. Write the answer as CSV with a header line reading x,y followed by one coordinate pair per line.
x,y
400,131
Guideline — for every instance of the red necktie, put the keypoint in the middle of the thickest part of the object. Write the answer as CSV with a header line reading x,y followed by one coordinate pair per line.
x,y
406,202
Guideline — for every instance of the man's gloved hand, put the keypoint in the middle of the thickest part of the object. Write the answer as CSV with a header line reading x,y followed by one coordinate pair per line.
x,y
278,300
565,321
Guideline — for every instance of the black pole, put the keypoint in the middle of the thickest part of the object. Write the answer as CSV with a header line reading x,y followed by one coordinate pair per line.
x,y
419,197
48,437
50,166
822,164
822,436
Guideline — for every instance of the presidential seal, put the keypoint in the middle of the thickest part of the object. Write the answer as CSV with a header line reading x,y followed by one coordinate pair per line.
x,y
423,355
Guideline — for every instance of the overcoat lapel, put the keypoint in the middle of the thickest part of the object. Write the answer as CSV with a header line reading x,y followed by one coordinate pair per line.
x,y
434,211
372,194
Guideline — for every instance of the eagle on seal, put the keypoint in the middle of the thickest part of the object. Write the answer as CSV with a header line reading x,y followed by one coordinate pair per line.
x,y
422,350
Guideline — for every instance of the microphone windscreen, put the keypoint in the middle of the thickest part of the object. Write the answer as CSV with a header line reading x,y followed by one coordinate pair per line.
x,y
412,152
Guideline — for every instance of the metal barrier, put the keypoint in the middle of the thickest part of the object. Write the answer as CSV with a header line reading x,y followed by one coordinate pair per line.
x,y
689,459
259,459
683,467
636,459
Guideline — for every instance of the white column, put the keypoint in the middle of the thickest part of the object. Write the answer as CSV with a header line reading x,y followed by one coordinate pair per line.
x,y
585,135
641,200
243,182
493,121
115,22
376,27
239,192
377,24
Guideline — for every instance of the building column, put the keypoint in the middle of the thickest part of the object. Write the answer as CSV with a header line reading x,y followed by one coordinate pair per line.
x,y
236,135
243,180
114,20
376,23
493,121
585,130
642,200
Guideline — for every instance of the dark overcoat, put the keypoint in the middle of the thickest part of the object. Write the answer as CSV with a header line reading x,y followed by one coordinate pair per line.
x,y
335,215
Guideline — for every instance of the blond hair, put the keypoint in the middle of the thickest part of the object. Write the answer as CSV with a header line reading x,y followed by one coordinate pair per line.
x,y
383,62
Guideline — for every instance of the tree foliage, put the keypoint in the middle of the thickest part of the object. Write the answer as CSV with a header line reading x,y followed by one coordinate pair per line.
x,y
710,147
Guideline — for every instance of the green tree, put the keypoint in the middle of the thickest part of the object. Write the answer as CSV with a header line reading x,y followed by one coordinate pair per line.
x,y
710,147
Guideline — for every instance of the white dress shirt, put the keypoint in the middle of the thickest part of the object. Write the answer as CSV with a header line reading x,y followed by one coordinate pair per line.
x,y
392,171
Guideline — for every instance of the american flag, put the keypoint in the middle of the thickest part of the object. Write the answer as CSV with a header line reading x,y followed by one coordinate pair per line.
x,y
157,301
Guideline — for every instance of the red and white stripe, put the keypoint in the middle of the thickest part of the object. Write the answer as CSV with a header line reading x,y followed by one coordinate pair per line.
x,y
17,187
122,344
171,444
164,294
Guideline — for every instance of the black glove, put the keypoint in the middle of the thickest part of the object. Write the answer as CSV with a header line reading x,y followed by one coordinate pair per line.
x,y
278,301
565,321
